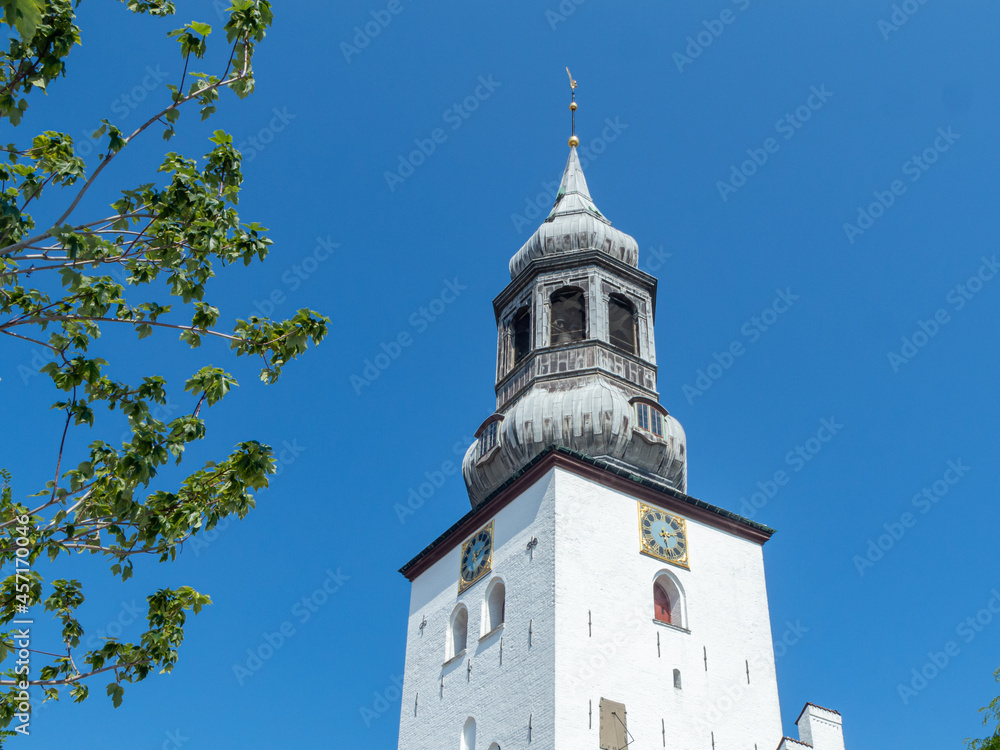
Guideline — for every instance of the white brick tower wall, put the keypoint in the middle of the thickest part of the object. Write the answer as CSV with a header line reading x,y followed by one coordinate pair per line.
x,y
601,574
585,592
502,699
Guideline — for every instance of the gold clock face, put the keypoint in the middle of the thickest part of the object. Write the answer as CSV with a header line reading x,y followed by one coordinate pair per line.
x,y
477,557
663,536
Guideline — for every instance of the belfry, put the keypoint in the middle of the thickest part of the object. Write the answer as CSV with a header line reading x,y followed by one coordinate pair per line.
x,y
586,600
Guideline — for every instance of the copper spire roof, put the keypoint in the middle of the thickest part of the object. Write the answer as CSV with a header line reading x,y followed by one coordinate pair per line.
x,y
575,224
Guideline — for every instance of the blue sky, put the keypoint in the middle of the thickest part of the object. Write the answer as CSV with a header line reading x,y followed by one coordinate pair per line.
x,y
734,141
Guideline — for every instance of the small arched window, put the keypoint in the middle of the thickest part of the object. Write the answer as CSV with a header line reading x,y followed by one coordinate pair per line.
x,y
521,334
496,605
668,601
677,679
458,633
469,734
621,324
569,316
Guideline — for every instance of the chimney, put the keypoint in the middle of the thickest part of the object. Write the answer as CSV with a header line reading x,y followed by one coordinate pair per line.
x,y
821,728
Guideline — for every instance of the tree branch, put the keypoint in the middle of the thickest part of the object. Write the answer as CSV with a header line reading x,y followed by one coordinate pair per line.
x,y
107,159
78,677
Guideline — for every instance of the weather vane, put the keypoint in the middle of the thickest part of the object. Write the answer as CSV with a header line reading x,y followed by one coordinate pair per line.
x,y
573,140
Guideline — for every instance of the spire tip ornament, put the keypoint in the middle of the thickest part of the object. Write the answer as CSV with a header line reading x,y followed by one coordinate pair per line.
x,y
573,140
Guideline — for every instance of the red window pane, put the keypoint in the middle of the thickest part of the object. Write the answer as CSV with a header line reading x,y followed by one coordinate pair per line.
x,y
661,604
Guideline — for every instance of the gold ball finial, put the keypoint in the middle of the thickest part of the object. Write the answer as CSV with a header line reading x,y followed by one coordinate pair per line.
x,y
572,106
574,141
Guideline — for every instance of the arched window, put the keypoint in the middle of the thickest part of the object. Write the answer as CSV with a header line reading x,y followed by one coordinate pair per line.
x,y
521,334
569,316
469,734
621,324
677,679
458,633
668,601
496,603
494,746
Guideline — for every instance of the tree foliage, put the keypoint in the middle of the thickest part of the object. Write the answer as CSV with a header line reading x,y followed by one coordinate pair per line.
x,y
991,718
62,285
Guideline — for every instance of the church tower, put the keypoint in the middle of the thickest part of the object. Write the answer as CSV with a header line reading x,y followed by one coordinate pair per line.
x,y
586,601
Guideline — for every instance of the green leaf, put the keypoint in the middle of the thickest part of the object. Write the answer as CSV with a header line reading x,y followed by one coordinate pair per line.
x,y
24,15
116,692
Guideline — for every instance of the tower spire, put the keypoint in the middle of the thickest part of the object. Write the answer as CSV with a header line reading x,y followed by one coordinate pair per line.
x,y
573,140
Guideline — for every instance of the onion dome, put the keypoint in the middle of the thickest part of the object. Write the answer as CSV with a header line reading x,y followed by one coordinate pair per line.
x,y
591,415
575,224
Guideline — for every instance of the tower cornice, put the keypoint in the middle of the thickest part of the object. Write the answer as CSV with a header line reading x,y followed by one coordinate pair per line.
x,y
647,489
579,260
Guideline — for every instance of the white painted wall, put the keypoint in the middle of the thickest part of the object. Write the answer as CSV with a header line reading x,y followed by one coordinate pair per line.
x,y
599,568
588,561
500,698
